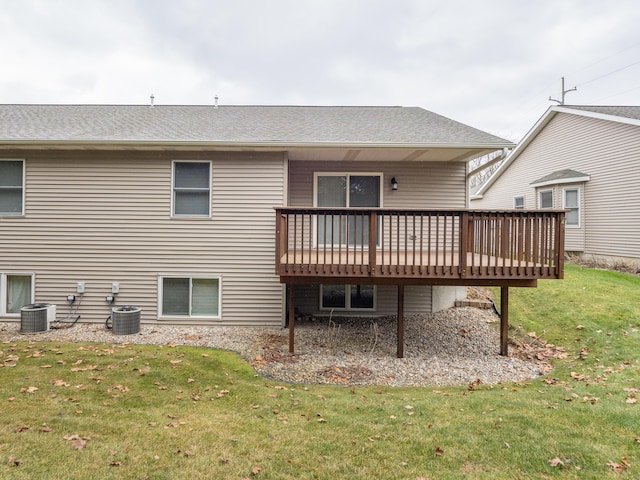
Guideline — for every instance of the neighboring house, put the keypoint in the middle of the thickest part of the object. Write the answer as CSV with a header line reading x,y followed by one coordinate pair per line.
x,y
585,159
201,214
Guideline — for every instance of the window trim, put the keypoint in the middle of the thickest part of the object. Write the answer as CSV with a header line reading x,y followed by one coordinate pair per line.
x,y
564,206
3,291
540,192
161,278
22,187
515,203
347,297
173,190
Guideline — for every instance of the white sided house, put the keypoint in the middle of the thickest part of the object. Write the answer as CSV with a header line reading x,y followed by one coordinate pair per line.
x,y
585,159
202,215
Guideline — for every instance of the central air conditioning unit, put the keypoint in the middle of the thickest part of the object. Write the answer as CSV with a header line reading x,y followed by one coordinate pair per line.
x,y
34,318
125,320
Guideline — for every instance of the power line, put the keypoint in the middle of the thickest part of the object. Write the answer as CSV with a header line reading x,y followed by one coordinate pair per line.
x,y
610,73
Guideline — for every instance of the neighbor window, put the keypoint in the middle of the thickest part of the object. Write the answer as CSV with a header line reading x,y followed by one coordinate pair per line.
x,y
16,291
190,296
518,203
545,199
347,297
192,189
572,203
11,187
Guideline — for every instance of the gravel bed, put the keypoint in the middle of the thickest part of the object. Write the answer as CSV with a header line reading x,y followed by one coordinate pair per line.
x,y
458,346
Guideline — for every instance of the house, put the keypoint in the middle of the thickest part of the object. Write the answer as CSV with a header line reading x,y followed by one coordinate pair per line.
x,y
204,214
584,159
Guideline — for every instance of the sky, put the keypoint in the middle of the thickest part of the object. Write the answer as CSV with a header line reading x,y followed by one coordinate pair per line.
x,y
492,64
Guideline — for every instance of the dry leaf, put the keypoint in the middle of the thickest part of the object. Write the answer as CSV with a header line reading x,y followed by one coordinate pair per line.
x,y
438,452
79,444
255,470
555,462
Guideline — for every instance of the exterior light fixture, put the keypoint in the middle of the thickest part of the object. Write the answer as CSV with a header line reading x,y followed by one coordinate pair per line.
x,y
394,183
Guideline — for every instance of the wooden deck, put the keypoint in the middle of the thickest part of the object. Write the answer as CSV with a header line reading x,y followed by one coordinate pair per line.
x,y
424,247
419,247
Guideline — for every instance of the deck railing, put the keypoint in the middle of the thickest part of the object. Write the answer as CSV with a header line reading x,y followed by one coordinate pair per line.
x,y
419,244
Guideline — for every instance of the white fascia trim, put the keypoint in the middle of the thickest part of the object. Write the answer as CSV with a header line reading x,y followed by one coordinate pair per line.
x,y
600,116
97,144
561,181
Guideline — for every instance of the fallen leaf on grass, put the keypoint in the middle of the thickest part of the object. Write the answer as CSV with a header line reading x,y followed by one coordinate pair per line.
x,y
22,428
619,467
438,452
60,383
554,462
29,389
255,471
13,461
79,444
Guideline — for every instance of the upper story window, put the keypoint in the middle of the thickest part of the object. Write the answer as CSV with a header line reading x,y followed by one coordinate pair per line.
x,y
572,203
11,187
518,203
545,199
191,189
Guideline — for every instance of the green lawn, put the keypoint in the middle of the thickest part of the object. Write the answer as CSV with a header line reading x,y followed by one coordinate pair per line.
x,y
124,411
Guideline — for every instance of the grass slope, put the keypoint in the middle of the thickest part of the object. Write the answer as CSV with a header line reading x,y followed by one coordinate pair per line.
x,y
125,411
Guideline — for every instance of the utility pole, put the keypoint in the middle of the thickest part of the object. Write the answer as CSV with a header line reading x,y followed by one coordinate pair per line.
x,y
564,92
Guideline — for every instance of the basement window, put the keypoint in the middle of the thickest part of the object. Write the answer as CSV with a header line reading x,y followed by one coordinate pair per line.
x,y
16,291
347,297
190,296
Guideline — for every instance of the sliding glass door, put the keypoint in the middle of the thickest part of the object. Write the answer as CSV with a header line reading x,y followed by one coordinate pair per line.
x,y
348,191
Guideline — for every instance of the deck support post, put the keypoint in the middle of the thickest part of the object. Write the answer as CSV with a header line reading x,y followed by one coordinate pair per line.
x,y
504,321
400,321
292,316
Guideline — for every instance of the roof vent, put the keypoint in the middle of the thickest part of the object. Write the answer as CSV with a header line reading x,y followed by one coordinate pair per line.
x,y
215,104
152,98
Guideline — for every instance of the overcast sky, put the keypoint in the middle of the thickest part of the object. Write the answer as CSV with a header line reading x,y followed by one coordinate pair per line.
x,y
491,64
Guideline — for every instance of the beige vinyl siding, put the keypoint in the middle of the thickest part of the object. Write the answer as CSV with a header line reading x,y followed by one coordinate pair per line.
x,y
417,300
607,151
102,217
420,185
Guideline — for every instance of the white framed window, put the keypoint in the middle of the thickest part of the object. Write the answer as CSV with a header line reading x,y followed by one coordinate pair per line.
x,y
191,189
189,296
347,297
518,203
571,202
545,199
12,187
16,291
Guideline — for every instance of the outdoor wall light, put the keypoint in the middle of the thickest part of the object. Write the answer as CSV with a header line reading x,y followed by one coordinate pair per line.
x,y
394,183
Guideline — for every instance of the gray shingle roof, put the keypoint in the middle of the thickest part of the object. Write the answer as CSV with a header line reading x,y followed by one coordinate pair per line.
x,y
618,111
278,125
566,174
